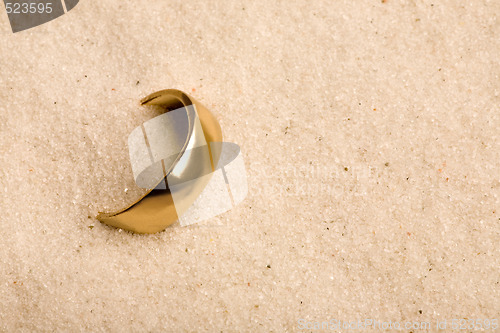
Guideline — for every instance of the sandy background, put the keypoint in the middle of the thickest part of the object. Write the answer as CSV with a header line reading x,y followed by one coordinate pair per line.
x,y
370,132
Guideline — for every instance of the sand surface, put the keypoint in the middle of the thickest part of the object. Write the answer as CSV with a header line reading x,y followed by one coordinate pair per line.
x,y
371,136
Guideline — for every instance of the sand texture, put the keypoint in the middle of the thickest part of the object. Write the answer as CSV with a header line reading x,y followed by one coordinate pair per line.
x,y
370,132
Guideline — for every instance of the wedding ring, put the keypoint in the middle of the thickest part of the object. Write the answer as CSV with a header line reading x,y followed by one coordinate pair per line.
x,y
191,175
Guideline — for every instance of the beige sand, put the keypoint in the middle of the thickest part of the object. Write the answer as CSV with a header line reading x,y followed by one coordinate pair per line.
x,y
370,132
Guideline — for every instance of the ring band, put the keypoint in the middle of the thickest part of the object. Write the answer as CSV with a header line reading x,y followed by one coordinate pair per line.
x,y
189,171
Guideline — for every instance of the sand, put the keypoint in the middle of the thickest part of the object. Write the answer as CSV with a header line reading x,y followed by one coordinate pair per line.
x,y
370,133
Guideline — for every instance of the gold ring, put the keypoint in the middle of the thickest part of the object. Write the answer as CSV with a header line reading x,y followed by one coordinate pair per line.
x,y
194,137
